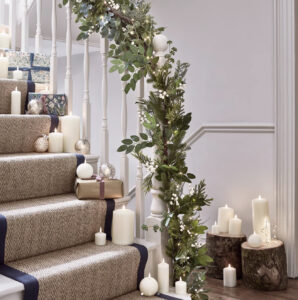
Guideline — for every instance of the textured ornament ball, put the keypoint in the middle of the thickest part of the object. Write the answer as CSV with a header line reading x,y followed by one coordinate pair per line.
x,y
148,286
107,170
160,43
82,147
255,240
84,171
35,107
41,144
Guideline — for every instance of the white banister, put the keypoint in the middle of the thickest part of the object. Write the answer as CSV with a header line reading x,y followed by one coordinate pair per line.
x,y
53,70
140,197
2,12
12,23
86,101
68,76
24,37
124,171
38,37
104,153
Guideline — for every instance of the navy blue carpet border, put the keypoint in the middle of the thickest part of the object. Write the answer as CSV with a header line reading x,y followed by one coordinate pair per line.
x,y
143,261
30,89
54,122
3,230
166,297
80,159
109,218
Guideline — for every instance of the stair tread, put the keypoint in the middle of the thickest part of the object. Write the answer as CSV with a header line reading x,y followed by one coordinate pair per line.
x,y
41,225
84,272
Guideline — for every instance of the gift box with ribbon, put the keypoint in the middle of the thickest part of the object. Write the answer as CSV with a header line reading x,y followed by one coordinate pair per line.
x,y
53,104
98,188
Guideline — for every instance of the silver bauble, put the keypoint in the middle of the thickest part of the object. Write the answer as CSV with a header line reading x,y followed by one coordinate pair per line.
x,y
35,107
107,170
82,147
41,144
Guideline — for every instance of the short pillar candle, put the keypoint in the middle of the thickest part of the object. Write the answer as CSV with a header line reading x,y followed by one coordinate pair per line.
x,y
17,74
163,277
235,226
224,215
56,142
3,66
215,228
100,238
229,276
123,226
180,287
16,102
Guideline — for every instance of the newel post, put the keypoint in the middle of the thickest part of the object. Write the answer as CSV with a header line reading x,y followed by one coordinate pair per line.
x,y
158,207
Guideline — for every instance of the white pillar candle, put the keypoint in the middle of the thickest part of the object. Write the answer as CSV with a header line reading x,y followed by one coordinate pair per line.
x,y
84,171
17,74
3,66
100,238
215,228
163,277
148,286
224,216
180,287
235,226
229,274
70,127
4,40
261,219
255,240
16,102
56,142
123,226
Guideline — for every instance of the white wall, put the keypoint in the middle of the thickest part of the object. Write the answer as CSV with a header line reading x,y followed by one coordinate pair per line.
x,y
229,45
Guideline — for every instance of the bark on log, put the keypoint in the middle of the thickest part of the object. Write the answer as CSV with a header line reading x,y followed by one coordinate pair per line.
x,y
265,268
224,249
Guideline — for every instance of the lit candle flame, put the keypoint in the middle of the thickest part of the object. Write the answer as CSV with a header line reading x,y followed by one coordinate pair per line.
x,y
260,197
163,260
226,206
180,279
55,130
229,266
100,230
123,207
236,217
16,88
149,276
215,223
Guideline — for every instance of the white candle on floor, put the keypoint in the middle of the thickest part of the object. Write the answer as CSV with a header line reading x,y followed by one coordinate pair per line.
x,y
70,127
17,74
100,238
84,171
180,287
3,66
56,142
235,226
230,279
4,40
224,216
255,240
261,219
163,277
148,286
16,102
123,226
215,228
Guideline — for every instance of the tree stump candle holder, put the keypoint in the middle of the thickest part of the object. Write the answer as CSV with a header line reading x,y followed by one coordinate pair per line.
x,y
265,268
224,249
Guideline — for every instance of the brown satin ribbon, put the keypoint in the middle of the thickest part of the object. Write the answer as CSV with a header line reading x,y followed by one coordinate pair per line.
x,y
101,186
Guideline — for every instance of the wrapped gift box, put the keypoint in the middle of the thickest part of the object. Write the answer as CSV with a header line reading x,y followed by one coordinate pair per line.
x,y
53,104
35,66
98,189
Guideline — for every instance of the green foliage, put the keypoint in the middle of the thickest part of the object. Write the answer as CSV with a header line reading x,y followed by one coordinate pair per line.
x,y
130,28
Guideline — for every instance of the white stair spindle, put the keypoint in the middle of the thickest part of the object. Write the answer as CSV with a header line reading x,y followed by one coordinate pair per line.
x,y
104,46
38,37
140,197
12,24
124,171
53,71
86,104
2,12
68,75
24,37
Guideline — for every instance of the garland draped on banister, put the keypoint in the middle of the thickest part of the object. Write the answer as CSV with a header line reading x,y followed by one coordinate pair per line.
x,y
136,53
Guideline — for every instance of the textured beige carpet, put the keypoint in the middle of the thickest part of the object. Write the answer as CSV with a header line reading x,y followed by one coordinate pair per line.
x,y
84,272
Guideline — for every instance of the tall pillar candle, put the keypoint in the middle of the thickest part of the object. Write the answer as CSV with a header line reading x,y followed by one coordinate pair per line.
x,y
4,40
56,142
15,102
3,66
70,127
224,215
235,225
123,226
260,218
163,277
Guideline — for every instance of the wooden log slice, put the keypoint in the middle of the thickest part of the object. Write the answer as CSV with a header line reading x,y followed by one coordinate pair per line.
x,y
224,249
265,268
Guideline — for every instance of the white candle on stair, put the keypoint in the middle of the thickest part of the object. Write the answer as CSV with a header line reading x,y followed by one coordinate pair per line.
x,y
163,277
56,142
4,40
123,226
3,66
70,127
180,287
16,102
100,238
17,74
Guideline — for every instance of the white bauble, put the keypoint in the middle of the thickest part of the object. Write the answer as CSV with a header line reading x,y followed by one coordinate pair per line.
x,y
255,240
148,286
160,43
84,171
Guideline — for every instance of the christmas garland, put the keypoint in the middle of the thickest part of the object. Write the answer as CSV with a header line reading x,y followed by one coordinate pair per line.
x,y
131,28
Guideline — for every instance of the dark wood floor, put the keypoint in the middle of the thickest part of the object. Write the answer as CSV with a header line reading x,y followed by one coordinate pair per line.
x,y
218,292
